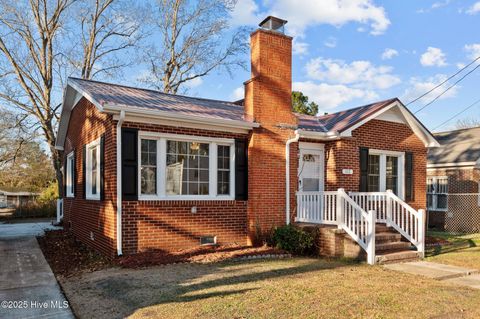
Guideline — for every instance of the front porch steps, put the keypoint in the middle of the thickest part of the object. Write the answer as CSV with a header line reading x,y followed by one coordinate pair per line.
x,y
391,248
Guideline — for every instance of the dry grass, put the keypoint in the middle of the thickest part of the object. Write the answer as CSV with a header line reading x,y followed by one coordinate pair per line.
x,y
289,288
467,257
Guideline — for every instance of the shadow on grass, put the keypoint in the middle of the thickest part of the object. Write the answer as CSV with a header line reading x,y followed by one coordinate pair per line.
x,y
183,283
451,247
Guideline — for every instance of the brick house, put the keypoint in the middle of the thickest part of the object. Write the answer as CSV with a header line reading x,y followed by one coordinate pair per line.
x,y
148,170
453,177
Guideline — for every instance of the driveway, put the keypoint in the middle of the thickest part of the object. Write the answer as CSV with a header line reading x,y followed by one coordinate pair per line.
x,y
28,288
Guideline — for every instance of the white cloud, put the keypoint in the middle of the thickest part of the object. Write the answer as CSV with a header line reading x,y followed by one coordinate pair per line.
x,y
196,82
329,96
389,54
433,57
435,5
313,12
299,47
238,94
331,42
473,50
420,86
361,74
474,9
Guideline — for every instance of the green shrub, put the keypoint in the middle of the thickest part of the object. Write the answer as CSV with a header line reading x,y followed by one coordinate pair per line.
x,y
292,239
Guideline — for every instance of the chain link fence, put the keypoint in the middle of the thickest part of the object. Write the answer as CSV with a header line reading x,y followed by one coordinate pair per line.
x,y
462,214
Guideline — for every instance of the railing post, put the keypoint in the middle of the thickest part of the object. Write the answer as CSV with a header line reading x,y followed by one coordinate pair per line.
x,y
421,233
389,206
371,237
340,208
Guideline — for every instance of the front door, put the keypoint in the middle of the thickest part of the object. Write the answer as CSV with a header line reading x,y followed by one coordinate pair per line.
x,y
310,167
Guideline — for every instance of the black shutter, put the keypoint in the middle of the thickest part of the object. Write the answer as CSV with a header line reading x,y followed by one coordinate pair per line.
x,y
65,175
84,171
409,194
241,170
130,164
102,167
363,169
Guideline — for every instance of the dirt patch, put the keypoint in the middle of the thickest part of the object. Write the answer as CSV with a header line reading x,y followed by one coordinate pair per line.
x,y
206,254
67,256
431,241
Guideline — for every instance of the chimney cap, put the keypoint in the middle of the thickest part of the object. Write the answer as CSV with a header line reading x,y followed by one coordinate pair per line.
x,y
274,24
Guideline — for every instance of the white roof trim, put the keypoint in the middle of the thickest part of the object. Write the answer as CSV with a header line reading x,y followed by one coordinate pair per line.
x,y
427,138
455,164
314,135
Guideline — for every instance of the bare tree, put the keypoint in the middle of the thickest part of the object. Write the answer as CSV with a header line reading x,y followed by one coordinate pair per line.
x,y
14,134
37,51
193,42
467,122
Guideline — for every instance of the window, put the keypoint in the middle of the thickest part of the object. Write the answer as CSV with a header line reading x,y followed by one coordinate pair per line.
x,y
69,173
385,171
223,167
148,169
93,170
437,192
185,167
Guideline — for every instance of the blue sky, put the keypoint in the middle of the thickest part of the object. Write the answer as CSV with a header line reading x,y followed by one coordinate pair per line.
x,y
347,55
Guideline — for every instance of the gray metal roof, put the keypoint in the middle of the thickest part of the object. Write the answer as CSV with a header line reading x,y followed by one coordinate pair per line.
x,y
342,120
120,95
456,147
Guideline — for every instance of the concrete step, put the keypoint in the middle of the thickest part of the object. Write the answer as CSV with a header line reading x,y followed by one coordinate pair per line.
x,y
397,245
390,257
386,237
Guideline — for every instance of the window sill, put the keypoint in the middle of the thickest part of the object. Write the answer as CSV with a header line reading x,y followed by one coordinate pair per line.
x,y
70,196
432,209
185,198
92,198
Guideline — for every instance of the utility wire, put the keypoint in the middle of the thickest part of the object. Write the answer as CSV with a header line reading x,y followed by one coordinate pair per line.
x,y
445,91
445,81
462,111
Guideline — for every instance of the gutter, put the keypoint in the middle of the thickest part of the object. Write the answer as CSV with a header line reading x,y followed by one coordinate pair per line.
x,y
119,182
287,171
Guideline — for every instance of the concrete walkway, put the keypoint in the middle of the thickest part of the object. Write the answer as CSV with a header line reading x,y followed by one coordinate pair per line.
x,y
28,288
453,274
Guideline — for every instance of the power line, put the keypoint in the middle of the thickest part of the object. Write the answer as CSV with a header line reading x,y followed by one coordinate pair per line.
x,y
445,81
445,91
462,111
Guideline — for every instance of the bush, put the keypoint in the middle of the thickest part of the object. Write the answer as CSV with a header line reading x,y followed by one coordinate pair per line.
x,y
36,209
292,239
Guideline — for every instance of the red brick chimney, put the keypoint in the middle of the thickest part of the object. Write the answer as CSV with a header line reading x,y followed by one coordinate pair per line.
x,y
268,100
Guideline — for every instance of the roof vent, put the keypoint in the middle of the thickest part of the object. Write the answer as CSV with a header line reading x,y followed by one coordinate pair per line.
x,y
273,24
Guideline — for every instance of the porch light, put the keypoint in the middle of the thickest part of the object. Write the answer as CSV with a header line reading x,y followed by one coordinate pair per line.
x,y
273,24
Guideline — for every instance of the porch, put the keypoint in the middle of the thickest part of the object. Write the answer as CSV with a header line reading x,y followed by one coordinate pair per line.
x,y
374,220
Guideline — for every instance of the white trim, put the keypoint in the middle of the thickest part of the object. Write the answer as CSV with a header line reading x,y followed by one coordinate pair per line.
x,y
383,169
119,183
287,175
435,193
311,146
88,167
458,164
69,182
348,132
161,165
72,84
321,136
317,149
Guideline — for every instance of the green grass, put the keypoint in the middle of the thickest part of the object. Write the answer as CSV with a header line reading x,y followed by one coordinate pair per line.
x,y
288,288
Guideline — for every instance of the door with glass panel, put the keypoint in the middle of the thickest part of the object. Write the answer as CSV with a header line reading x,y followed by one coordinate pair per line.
x,y
310,182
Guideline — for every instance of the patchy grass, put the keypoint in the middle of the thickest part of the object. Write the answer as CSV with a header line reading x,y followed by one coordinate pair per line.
x,y
455,249
466,257
285,288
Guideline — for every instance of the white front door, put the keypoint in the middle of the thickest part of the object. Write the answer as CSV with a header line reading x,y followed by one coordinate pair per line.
x,y
311,167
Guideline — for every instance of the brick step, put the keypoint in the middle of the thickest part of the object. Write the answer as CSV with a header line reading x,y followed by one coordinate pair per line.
x,y
387,237
382,228
397,256
396,245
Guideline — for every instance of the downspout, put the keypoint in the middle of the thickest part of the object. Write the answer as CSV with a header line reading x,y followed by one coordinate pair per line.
x,y
119,182
287,171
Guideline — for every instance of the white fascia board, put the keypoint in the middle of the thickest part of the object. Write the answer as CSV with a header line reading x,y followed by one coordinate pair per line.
x,y
459,164
85,94
348,132
133,112
322,136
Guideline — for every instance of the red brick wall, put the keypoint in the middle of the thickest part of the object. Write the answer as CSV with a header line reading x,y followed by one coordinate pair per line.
x,y
375,134
460,180
170,225
87,218
268,102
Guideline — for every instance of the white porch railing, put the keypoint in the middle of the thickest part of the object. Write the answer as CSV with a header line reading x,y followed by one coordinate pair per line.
x,y
396,213
357,214
59,210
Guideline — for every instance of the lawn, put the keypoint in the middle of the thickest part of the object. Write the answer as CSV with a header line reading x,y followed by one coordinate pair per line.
x,y
463,250
282,288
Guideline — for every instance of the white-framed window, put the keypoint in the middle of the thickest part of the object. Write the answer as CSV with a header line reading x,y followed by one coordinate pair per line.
x,y
437,193
69,173
92,174
385,171
185,167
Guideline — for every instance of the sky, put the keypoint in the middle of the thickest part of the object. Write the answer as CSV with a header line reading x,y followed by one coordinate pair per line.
x,y
351,53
